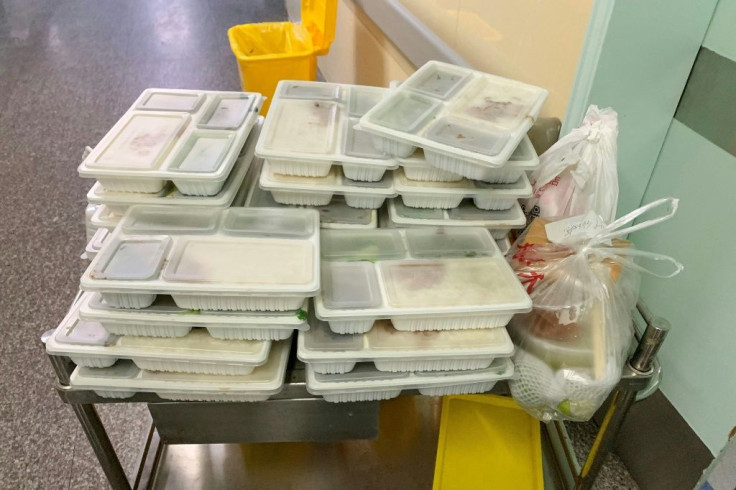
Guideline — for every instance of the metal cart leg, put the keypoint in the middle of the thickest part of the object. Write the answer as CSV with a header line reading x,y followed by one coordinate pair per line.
x,y
639,365
95,431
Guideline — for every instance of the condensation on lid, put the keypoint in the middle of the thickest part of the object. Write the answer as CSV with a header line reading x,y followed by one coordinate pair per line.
x,y
226,112
401,178
133,259
171,101
361,245
166,219
449,282
467,135
255,261
363,371
267,222
350,285
449,242
203,152
304,126
84,333
320,337
143,141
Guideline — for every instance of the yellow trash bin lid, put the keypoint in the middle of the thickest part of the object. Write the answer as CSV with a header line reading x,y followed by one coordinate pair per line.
x,y
319,18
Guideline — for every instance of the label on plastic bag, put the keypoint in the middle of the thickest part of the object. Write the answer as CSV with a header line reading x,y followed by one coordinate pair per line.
x,y
574,229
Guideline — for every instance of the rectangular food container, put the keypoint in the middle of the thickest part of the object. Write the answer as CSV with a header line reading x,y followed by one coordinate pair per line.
x,y
88,344
310,128
523,159
447,195
420,279
365,382
259,259
119,202
164,319
396,351
95,244
104,217
457,115
319,191
499,223
188,137
335,216
125,379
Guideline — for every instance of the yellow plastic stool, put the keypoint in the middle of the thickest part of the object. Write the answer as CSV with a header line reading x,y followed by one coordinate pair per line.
x,y
274,51
487,441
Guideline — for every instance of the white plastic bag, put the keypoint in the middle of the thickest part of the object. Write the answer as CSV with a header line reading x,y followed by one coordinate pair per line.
x,y
578,173
572,345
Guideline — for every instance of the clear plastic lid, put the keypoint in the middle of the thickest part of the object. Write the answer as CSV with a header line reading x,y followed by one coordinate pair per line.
x,y
362,99
203,152
160,220
448,282
502,103
320,337
339,212
322,91
363,371
162,100
305,126
467,210
360,143
84,333
449,242
439,81
133,259
350,285
370,245
262,261
227,111
417,213
467,135
198,340
143,141
408,112
123,369
266,222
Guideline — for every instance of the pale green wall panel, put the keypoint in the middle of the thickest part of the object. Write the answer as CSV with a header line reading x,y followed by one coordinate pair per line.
x,y
721,37
699,355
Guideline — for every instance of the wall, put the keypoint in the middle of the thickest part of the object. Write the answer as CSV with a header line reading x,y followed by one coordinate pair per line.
x,y
535,41
697,164
361,53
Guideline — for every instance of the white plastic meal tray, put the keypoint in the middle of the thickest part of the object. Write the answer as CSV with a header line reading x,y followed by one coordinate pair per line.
x,y
260,259
523,159
104,217
164,319
189,137
462,118
395,351
95,244
420,279
336,215
318,191
499,223
119,202
125,379
447,195
88,344
310,127
365,382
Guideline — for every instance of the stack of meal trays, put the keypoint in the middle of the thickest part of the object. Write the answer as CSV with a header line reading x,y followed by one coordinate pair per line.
x,y
193,303
313,153
174,147
408,309
459,137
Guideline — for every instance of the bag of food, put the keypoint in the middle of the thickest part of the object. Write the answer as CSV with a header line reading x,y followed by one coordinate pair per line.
x,y
578,173
584,281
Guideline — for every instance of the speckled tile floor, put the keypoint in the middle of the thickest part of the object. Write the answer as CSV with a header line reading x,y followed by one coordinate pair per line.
x,y
68,70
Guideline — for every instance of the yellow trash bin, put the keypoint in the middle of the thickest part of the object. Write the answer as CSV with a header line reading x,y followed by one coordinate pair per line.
x,y
274,51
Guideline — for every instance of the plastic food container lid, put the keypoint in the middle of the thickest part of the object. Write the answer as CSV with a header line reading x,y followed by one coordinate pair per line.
x,y
349,245
350,285
439,242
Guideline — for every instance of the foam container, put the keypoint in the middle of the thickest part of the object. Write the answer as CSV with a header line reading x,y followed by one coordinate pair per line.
x,y
260,259
523,159
336,216
95,244
395,351
499,223
190,138
119,202
456,115
420,279
310,128
88,344
319,191
365,382
125,379
448,195
164,319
